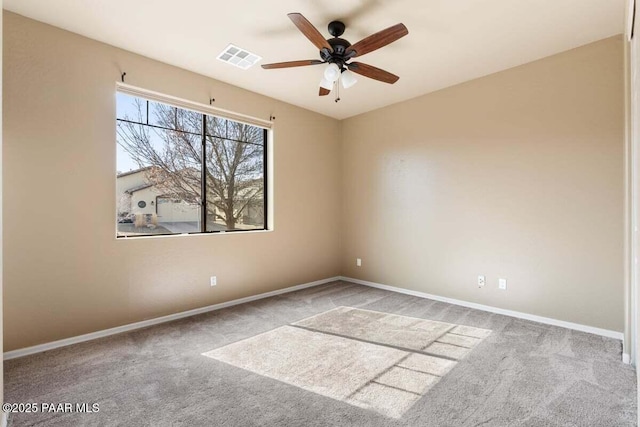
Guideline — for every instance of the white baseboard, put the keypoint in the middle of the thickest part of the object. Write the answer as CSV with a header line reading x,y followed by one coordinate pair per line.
x,y
626,358
4,419
145,323
546,320
150,322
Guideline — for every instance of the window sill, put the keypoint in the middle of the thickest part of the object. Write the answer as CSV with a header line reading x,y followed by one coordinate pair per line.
x,y
213,233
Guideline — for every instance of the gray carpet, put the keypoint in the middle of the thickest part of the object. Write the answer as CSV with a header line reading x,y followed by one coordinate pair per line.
x,y
375,360
522,374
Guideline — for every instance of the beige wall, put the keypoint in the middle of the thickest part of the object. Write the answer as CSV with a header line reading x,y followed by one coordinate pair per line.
x,y
629,338
633,56
65,273
516,175
1,251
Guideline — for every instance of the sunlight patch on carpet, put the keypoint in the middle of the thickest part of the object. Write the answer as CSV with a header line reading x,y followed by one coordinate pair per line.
x,y
378,361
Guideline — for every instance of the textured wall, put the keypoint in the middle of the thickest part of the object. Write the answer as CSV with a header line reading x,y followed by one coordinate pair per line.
x,y
66,274
1,249
516,175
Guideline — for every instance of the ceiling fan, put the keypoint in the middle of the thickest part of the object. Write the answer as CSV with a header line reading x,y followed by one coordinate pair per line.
x,y
337,52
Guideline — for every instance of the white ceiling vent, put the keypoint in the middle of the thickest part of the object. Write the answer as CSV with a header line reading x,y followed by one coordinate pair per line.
x,y
238,57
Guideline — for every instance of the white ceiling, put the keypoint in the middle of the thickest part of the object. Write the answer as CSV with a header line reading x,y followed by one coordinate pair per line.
x,y
449,41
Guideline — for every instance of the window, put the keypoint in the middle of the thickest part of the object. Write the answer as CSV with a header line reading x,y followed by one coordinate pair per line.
x,y
185,171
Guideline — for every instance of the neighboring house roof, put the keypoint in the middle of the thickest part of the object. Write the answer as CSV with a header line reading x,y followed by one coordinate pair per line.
x,y
120,175
240,192
138,188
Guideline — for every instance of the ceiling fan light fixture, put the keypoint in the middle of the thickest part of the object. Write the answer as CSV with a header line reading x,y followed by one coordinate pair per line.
x,y
336,52
332,72
348,79
327,84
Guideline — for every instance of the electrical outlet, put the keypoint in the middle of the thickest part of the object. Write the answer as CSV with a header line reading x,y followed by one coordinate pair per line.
x,y
502,284
213,281
481,281
358,262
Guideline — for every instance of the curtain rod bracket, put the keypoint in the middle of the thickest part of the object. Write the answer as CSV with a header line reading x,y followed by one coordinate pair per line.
x,y
122,76
272,118
211,101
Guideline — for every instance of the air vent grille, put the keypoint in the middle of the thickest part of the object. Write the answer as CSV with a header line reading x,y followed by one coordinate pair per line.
x,y
239,57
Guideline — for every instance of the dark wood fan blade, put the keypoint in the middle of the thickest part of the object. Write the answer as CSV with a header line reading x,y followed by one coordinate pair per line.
x,y
324,92
377,40
373,72
290,64
309,31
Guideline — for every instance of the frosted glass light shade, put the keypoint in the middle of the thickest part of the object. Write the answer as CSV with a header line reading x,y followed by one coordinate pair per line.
x,y
348,79
332,72
327,84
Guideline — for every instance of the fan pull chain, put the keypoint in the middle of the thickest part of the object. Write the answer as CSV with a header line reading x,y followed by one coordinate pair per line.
x,y
337,88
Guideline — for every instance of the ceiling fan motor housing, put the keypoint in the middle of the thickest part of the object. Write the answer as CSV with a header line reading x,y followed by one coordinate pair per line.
x,y
338,45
